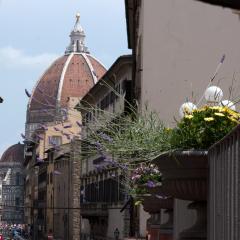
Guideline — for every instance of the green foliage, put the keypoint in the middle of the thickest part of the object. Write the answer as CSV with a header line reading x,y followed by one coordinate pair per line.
x,y
139,137
204,127
135,138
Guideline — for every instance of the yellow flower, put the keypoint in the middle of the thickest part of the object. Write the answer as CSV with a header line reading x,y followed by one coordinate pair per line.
x,y
219,114
202,109
222,109
233,119
209,119
189,116
216,107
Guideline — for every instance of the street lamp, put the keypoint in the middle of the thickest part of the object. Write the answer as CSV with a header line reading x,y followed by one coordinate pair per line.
x,y
116,234
213,94
186,108
229,104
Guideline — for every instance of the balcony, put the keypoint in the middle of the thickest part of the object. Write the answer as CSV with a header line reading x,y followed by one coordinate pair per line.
x,y
93,209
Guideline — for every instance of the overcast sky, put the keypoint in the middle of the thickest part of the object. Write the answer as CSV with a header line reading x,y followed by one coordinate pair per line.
x,y
34,33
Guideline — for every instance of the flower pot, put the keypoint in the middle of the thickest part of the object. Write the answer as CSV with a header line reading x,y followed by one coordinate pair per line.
x,y
185,176
152,204
157,190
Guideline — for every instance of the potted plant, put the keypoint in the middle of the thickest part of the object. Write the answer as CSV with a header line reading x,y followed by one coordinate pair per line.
x,y
180,153
185,170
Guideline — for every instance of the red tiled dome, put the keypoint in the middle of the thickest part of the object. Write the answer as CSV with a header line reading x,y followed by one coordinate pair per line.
x,y
15,153
71,75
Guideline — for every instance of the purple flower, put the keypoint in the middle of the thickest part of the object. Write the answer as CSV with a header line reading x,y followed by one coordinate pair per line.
x,y
105,137
134,177
79,124
44,127
151,184
98,145
107,159
56,129
27,93
23,136
67,135
64,111
67,126
223,58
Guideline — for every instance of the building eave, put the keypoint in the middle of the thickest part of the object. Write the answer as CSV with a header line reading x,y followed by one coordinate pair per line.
x,y
129,23
124,59
234,4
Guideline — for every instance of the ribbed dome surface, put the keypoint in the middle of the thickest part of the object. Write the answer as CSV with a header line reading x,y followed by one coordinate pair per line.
x,y
69,76
15,153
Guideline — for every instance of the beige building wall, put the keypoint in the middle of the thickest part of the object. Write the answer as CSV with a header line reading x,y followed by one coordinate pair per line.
x,y
182,42
71,119
42,148
115,220
178,46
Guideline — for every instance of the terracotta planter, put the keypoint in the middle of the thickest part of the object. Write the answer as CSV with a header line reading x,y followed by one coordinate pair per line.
x,y
152,204
185,174
157,190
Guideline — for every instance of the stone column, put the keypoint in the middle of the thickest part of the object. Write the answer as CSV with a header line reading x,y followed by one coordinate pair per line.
x,y
76,167
183,217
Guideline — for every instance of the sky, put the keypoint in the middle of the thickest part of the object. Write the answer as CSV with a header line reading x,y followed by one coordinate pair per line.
x,y
34,33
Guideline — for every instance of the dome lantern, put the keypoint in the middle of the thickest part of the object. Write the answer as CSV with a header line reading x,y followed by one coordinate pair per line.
x,y
77,38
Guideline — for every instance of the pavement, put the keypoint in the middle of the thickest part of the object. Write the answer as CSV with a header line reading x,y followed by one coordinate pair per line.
x,y
19,238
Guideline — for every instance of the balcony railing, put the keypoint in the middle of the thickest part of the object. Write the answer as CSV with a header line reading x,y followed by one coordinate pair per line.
x,y
224,201
93,209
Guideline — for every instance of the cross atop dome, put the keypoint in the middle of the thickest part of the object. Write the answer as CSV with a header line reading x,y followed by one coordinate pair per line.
x,y
77,38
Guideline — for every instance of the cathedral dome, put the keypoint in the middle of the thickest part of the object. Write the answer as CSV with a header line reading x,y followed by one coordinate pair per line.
x,y
71,75
14,153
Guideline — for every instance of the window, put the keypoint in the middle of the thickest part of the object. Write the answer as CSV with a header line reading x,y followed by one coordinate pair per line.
x,y
55,140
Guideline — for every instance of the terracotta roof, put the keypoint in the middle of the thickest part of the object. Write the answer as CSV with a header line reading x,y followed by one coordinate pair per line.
x,y
69,76
15,153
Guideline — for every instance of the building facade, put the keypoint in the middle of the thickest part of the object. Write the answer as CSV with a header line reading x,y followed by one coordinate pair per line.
x,y
102,191
12,185
177,46
52,121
